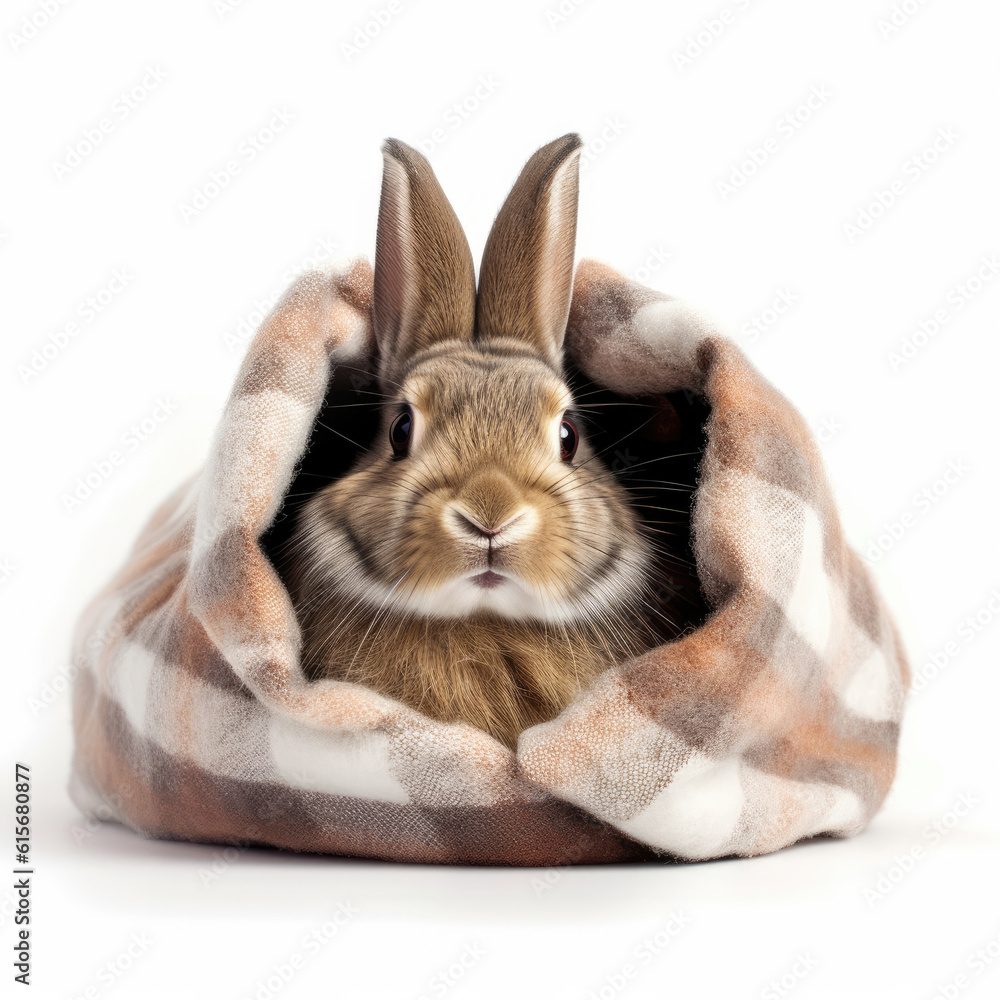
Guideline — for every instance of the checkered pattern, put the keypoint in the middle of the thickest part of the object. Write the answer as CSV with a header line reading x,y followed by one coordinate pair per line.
x,y
776,720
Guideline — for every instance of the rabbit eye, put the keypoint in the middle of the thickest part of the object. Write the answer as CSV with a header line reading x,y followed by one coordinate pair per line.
x,y
569,438
399,433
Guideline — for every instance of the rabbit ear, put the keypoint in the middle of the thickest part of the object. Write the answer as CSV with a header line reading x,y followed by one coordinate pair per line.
x,y
526,278
425,281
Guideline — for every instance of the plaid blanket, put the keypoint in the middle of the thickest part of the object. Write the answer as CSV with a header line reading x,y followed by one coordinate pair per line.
x,y
775,720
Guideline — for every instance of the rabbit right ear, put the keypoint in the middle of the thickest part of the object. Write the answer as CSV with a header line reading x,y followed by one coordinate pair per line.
x,y
526,278
425,283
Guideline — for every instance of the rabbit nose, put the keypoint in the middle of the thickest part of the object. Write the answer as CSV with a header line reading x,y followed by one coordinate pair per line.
x,y
475,528
489,510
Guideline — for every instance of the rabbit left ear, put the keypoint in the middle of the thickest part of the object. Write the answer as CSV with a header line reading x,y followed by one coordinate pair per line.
x,y
425,281
526,278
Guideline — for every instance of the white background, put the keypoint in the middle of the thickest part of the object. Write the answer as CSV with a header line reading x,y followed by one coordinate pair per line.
x,y
660,138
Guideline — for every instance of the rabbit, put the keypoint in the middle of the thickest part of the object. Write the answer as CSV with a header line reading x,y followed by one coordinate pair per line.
x,y
478,563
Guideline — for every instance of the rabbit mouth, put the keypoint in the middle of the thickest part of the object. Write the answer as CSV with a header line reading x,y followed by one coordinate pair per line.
x,y
489,579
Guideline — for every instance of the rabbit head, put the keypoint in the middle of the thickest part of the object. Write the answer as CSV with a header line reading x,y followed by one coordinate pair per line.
x,y
480,494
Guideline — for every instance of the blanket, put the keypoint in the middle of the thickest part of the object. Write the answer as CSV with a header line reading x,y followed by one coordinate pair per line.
x,y
775,719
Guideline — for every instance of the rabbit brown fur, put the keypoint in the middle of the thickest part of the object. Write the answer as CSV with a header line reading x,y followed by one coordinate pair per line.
x,y
473,564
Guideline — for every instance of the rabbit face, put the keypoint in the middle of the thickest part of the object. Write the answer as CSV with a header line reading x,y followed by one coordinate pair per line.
x,y
480,496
